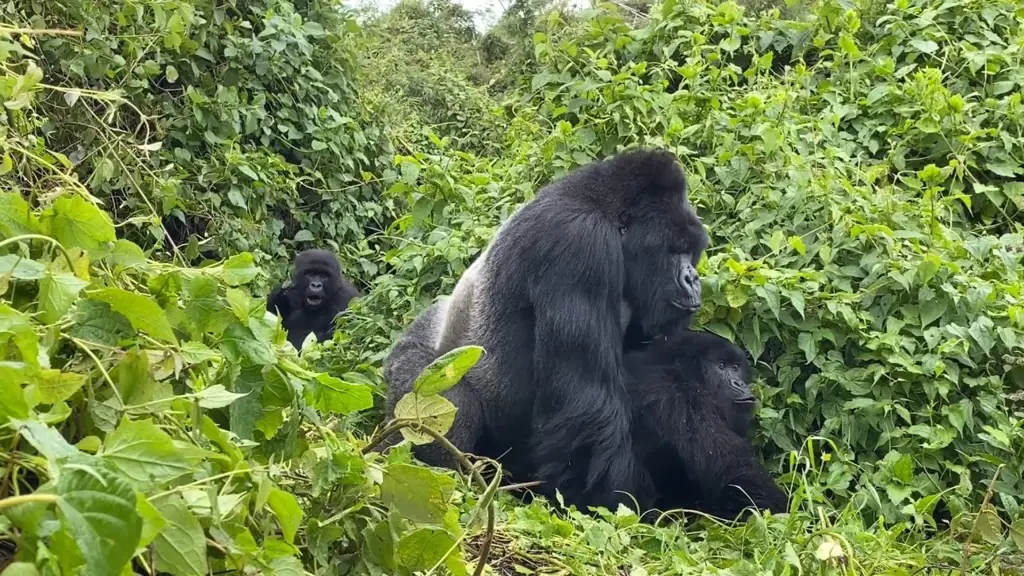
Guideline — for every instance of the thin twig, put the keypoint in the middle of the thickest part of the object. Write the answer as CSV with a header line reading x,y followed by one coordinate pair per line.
x,y
974,529
521,486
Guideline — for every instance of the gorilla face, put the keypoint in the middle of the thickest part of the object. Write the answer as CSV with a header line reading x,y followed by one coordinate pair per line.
x,y
727,374
315,288
315,279
662,243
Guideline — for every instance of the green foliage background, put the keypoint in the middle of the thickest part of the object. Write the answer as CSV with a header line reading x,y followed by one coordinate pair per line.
x,y
858,165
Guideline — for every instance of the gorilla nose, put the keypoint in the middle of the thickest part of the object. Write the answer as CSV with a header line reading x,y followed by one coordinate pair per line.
x,y
688,276
316,285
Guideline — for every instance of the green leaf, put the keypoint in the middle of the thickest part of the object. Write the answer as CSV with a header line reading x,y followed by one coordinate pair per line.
x,y
55,386
797,243
422,549
57,292
76,222
145,454
1017,533
240,344
251,174
15,266
289,514
239,269
12,376
46,440
143,313
904,469
434,412
98,509
928,267
286,566
216,396
798,301
925,46
96,322
989,525
20,569
334,395
180,548
16,217
152,521
806,341
17,327
849,46
447,371
932,310
127,254
417,493
172,74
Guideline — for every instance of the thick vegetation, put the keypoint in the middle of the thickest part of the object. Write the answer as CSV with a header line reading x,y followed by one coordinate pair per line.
x,y
858,165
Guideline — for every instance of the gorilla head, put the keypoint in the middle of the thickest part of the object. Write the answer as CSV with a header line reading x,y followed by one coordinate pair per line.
x,y
316,276
662,242
315,294
726,372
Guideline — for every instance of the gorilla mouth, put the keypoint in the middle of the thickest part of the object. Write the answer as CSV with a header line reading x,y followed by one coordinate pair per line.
x,y
747,400
314,300
687,306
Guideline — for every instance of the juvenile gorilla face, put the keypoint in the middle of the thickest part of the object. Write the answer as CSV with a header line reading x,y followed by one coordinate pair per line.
x,y
315,278
728,374
662,243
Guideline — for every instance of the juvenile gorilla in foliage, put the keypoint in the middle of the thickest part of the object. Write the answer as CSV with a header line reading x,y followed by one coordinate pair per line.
x,y
547,301
315,294
692,409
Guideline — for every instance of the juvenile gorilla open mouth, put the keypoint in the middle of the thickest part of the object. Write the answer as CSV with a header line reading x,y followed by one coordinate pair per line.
x,y
314,300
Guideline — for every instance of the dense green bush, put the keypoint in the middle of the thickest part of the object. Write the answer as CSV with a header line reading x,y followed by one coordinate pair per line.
x,y
237,124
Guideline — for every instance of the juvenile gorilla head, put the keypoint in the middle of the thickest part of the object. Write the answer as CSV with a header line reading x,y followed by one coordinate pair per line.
x,y
727,374
316,293
315,278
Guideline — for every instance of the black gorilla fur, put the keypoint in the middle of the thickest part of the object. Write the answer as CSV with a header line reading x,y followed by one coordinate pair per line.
x,y
547,297
316,293
692,409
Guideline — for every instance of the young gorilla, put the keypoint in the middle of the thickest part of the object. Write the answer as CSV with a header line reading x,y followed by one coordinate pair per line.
x,y
692,409
315,294
545,301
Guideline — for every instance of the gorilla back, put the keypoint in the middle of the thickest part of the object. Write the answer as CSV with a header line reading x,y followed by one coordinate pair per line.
x,y
317,292
547,303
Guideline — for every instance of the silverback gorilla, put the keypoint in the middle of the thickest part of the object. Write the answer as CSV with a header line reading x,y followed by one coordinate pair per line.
x,y
315,294
692,409
546,301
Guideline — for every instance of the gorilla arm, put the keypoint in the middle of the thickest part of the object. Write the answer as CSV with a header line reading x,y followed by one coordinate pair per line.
x,y
581,400
277,302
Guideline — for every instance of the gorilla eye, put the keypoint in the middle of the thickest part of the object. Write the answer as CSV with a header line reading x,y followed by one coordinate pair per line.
x,y
721,365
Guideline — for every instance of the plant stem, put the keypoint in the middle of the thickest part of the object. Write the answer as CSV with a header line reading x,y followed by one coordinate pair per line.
x,y
28,499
